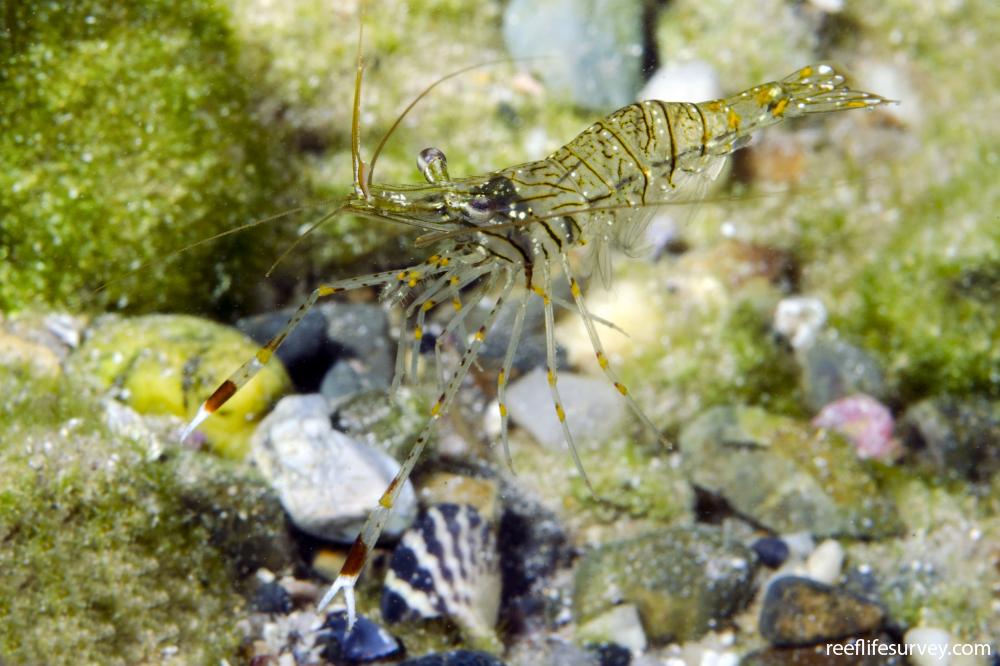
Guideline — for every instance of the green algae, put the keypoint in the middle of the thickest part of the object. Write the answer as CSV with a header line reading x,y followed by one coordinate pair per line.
x,y
116,553
126,134
786,476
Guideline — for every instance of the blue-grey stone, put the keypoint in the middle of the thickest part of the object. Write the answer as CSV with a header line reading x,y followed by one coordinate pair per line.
x,y
588,51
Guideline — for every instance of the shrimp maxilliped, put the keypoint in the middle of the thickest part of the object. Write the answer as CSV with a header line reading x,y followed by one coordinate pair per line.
x,y
511,230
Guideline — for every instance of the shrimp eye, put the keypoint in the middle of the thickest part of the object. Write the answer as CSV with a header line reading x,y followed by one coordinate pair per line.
x,y
480,204
433,164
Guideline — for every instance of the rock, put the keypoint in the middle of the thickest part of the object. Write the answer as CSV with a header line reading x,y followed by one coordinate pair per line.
x,y
118,547
682,580
446,565
686,81
532,544
799,319
271,598
169,364
772,551
866,422
620,625
825,562
386,423
159,148
483,494
929,646
834,369
611,654
328,335
593,407
455,658
599,45
327,482
784,475
799,611
956,436
366,642
530,348
852,652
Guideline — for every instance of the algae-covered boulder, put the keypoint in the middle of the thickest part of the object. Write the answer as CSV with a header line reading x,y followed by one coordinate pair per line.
x,y
681,579
116,549
785,475
169,364
126,133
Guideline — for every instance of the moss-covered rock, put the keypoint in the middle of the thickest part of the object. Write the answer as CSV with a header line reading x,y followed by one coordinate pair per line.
x,y
785,475
169,364
682,579
127,134
117,553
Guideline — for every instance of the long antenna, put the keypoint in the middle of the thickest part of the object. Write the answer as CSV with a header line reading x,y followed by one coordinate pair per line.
x,y
362,182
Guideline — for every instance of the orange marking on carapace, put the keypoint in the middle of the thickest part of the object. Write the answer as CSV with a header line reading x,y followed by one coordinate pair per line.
x,y
355,559
221,395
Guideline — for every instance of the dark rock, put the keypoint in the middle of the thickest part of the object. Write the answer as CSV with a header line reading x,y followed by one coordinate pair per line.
x,y
833,369
821,655
682,579
611,654
366,641
800,611
328,333
306,352
772,551
532,545
957,436
785,475
272,598
455,658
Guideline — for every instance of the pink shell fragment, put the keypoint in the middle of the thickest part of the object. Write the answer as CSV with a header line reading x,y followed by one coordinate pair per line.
x,y
865,421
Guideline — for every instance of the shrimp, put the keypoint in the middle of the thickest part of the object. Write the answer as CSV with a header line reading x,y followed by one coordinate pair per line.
x,y
507,236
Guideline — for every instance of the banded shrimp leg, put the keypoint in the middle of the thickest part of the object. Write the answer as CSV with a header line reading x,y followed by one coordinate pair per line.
x,y
363,545
239,378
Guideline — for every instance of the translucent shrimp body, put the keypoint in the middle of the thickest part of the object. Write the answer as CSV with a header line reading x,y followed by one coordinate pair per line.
x,y
507,235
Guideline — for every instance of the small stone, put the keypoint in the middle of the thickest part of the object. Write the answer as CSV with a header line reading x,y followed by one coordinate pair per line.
x,y
848,652
955,435
784,475
824,564
928,646
599,45
271,598
446,565
169,364
327,482
611,654
799,319
772,551
800,611
834,369
366,642
621,626
687,81
866,422
593,407
682,580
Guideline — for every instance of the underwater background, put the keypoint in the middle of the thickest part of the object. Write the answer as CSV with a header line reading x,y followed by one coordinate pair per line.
x,y
818,339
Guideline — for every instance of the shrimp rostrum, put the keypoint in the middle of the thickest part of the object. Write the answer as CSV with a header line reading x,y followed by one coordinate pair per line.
x,y
506,236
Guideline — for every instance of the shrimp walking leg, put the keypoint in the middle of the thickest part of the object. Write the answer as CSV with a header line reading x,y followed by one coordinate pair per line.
x,y
361,550
252,366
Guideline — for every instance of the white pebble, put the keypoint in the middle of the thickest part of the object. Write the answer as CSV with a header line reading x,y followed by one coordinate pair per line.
x,y
688,81
799,319
825,562
928,646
